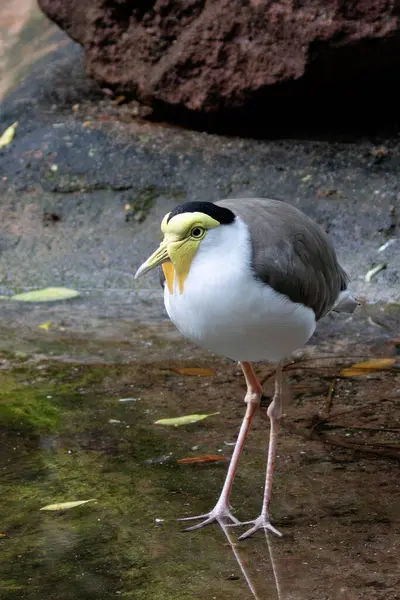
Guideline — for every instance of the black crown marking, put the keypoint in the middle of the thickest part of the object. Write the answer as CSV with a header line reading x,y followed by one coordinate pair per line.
x,y
219,213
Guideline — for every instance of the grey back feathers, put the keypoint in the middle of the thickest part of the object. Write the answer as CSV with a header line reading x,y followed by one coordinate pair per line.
x,y
291,253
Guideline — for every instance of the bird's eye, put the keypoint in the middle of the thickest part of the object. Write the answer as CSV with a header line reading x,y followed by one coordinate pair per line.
x,y
197,232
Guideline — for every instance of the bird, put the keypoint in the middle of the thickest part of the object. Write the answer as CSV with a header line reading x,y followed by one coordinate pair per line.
x,y
248,279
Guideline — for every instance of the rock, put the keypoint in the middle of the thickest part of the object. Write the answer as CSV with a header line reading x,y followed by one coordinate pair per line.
x,y
216,56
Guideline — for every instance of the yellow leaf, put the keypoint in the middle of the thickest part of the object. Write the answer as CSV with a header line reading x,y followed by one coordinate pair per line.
x,y
45,295
66,505
374,271
8,135
195,371
46,326
14,588
187,419
369,366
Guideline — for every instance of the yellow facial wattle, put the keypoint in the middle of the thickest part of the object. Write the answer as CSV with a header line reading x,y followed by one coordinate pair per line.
x,y
181,254
182,237
169,274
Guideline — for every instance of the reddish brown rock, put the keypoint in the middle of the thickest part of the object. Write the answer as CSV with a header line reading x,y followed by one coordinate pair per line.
x,y
219,54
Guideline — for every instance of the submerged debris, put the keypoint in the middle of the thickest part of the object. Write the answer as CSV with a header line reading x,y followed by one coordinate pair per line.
x,y
128,399
202,459
66,505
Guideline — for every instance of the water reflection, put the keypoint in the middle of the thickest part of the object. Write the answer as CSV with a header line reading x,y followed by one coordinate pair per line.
x,y
239,555
66,436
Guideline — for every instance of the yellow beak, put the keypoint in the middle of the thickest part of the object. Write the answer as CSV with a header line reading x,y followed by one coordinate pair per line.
x,y
157,258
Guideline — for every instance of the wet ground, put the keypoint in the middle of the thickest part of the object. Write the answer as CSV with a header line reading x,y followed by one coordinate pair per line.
x,y
84,186
81,430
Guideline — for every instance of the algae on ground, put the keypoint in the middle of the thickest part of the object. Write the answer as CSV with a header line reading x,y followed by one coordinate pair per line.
x,y
26,406
65,436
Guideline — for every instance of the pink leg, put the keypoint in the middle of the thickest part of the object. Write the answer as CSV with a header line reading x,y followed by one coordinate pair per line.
x,y
221,512
274,413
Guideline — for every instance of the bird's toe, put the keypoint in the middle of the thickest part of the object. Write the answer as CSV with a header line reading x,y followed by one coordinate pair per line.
x,y
220,514
262,522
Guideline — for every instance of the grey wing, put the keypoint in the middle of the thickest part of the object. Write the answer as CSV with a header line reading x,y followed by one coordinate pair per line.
x,y
291,253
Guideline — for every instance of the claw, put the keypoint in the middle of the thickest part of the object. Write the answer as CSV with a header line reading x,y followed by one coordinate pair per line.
x,y
262,522
194,518
220,514
200,525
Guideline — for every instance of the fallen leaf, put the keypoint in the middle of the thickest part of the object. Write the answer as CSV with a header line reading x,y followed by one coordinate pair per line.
x,y
369,366
200,372
8,135
66,505
375,363
15,588
3,535
374,271
202,459
46,326
45,295
327,193
118,100
386,245
187,419
101,117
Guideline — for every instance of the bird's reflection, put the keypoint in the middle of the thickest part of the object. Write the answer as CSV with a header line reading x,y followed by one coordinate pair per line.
x,y
274,566
239,554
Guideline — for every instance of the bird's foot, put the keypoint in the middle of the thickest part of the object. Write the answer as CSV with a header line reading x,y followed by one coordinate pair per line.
x,y
220,513
262,522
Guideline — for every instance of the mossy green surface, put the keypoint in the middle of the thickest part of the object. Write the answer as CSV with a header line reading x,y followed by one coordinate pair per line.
x,y
25,405
59,445
77,441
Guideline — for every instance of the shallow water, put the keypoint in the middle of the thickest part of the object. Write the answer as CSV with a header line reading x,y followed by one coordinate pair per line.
x,y
66,436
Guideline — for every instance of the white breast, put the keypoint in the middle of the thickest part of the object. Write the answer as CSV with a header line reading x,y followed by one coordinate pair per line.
x,y
226,310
